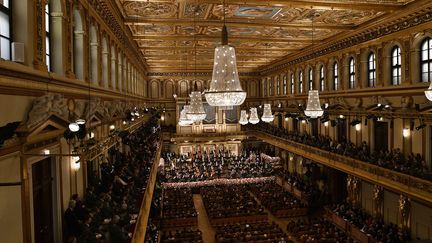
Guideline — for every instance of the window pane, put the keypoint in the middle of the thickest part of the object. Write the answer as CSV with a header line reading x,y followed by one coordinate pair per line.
x,y
425,67
4,25
425,77
5,48
48,62
47,45
424,55
47,23
5,3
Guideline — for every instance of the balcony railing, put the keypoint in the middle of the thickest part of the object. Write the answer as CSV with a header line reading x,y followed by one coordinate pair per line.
x,y
396,181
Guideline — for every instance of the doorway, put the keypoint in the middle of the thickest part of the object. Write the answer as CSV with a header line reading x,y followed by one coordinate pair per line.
x,y
43,201
381,135
341,130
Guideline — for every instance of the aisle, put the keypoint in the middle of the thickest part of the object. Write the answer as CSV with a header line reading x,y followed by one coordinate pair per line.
x,y
281,222
208,233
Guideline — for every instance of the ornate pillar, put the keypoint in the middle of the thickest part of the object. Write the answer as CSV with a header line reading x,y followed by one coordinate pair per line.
x,y
379,59
119,72
405,212
378,201
67,35
94,62
113,79
106,73
79,55
39,36
58,50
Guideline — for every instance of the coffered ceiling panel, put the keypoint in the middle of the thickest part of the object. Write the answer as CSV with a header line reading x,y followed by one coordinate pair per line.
x,y
174,34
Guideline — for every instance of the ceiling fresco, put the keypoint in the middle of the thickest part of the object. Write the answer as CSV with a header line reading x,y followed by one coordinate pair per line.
x,y
170,33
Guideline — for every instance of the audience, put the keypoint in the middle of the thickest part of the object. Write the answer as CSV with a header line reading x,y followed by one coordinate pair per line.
x,y
229,201
395,160
277,200
317,230
188,235
178,204
380,231
110,207
251,232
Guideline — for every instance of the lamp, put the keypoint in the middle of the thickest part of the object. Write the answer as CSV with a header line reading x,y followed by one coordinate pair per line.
x,y
267,114
253,116
74,127
428,92
313,108
406,132
243,117
75,163
184,121
196,113
225,89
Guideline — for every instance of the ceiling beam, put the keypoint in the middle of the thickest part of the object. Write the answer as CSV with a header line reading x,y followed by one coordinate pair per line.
x,y
212,38
234,23
170,48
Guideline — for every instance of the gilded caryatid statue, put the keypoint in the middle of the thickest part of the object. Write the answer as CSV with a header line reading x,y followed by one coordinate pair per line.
x,y
405,211
378,201
353,189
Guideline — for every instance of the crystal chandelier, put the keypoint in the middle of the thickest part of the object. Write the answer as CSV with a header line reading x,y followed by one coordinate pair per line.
x,y
184,121
225,89
243,117
196,113
253,116
428,92
313,108
267,114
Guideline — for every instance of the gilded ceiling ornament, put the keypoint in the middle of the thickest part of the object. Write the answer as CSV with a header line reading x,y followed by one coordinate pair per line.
x,y
229,11
192,10
348,16
150,9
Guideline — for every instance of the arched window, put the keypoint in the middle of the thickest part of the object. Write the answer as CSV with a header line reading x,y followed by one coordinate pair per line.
x,y
396,67
351,73
292,83
78,45
5,35
47,37
301,82
277,85
284,85
310,79
426,60
371,70
335,76
322,78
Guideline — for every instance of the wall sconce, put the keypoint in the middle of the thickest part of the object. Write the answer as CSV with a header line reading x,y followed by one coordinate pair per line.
x,y
75,163
358,127
124,122
162,118
91,135
303,121
406,132
286,118
46,151
326,124
111,127
341,116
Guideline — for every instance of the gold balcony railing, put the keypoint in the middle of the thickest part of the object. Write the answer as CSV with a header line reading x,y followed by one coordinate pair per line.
x,y
402,183
142,220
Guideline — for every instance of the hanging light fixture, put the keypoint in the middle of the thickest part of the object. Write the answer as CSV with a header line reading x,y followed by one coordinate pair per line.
x,y
267,114
196,113
428,92
225,89
243,117
313,107
253,116
184,121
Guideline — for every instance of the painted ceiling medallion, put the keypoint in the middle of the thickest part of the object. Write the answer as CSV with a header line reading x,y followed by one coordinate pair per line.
x,y
149,9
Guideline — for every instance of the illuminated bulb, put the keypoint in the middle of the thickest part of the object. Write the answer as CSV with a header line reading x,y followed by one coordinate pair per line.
x,y
303,121
358,127
124,122
326,124
46,151
75,163
406,132
111,127
74,127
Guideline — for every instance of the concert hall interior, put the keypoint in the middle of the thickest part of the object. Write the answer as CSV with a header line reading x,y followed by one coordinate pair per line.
x,y
215,121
